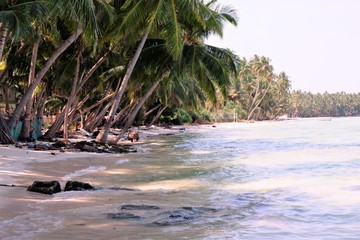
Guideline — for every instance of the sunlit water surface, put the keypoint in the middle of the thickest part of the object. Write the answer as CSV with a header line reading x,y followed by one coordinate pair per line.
x,y
297,179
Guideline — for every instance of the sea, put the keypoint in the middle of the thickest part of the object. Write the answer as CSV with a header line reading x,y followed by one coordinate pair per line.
x,y
292,179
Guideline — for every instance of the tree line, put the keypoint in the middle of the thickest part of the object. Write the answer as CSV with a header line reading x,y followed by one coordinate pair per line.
x,y
258,93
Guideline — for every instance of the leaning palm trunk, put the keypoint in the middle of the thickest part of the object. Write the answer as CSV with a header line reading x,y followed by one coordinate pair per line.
x,y
256,95
94,122
59,121
28,116
151,111
28,94
157,116
103,135
135,111
72,96
258,103
3,36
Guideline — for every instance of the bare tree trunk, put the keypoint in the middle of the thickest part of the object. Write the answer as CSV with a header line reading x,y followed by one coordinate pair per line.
x,y
158,115
88,109
55,127
7,98
72,96
134,112
41,74
28,116
151,110
3,35
103,135
98,118
120,115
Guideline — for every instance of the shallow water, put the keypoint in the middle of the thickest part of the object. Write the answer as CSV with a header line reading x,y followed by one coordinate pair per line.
x,y
297,179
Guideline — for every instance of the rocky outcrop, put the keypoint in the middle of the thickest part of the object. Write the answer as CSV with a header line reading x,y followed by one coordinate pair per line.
x,y
77,186
51,187
47,187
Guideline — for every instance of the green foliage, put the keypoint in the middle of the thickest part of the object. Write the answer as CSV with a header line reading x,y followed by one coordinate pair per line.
x,y
177,117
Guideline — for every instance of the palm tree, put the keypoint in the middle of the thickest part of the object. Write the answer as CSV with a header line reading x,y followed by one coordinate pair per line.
x,y
263,73
155,15
82,13
208,66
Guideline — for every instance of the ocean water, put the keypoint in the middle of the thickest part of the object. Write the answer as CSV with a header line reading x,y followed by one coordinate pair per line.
x,y
296,179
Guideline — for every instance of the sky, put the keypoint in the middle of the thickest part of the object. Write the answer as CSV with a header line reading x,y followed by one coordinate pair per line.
x,y
315,42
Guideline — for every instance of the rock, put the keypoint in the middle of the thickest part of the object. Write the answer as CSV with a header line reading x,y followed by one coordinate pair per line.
x,y
133,136
138,207
59,144
88,148
48,187
77,186
123,216
177,217
184,214
41,147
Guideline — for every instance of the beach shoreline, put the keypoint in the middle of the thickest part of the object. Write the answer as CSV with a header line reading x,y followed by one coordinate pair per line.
x,y
20,167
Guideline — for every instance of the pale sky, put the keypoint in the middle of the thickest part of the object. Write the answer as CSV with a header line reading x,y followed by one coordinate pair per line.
x,y
315,42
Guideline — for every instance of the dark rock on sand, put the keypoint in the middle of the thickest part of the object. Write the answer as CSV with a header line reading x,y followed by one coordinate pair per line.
x,y
183,215
77,186
59,144
177,217
47,187
123,216
138,207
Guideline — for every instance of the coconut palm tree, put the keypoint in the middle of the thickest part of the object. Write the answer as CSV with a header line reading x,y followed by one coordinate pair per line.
x,y
82,14
156,16
208,66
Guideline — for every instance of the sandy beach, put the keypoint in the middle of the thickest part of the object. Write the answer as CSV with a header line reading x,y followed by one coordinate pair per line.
x,y
19,168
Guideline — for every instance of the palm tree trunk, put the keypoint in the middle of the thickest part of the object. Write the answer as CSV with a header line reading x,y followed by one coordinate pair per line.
x,y
59,121
72,95
256,95
158,115
6,89
88,109
103,135
133,114
3,36
98,118
258,103
120,115
41,74
28,116
151,110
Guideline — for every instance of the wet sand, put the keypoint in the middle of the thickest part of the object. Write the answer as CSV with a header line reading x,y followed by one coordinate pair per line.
x,y
28,215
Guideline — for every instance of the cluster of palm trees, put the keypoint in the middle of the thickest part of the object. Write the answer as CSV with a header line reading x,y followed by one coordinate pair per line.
x,y
341,104
109,61
257,93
